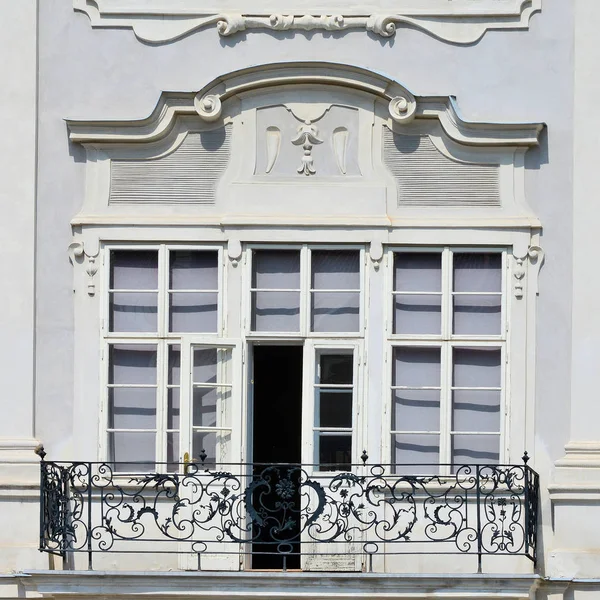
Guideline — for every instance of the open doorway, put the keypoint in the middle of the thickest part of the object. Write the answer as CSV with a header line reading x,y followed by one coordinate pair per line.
x,y
277,438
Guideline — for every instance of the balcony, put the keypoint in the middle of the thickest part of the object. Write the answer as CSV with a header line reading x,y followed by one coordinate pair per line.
x,y
288,516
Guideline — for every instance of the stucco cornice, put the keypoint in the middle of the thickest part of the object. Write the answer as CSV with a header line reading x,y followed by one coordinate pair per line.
x,y
160,21
208,104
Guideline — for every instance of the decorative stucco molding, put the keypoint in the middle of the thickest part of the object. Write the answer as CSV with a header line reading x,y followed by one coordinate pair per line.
x,y
459,21
208,104
536,256
78,255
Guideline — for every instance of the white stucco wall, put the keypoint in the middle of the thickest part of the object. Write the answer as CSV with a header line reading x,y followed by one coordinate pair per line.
x,y
522,76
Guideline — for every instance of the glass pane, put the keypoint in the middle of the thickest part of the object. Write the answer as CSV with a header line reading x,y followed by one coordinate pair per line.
x,y
173,408
416,410
207,442
205,365
416,454
477,315
134,269
336,369
276,269
174,365
132,364
132,408
475,410
133,311
477,367
135,450
416,314
477,272
173,451
212,365
335,311
478,449
335,452
205,407
193,270
417,366
191,312
418,272
275,311
336,269
335,408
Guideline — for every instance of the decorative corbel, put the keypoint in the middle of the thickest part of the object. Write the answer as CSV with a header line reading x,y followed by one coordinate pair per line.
x,y
234,251
535,255
78,255
376,253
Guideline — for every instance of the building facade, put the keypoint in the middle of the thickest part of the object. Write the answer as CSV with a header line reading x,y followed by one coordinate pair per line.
x,y
299,300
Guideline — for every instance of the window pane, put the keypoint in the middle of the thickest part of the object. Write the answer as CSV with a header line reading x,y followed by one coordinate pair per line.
x,y
477,315
193,270
477,367
417,366
276,269
174,365
212,365
134,270
207,442
335,408
416,410
275,311
131,447
477,272
335,311
478,449
417,314
132,364
132,408
336,369
173,451
335,452
191,312
133,311
418,272
421,450
476,410
205,407
205,365
173,408
335,269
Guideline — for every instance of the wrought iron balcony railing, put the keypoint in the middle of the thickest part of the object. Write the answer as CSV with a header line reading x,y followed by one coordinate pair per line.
x,y
288,511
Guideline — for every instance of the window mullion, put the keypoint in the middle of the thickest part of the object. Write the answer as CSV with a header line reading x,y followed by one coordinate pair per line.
x,y
305,294
161,413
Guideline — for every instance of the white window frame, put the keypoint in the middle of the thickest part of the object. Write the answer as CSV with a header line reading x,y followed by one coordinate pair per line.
x,y
446,341
305,291
312,349
162,339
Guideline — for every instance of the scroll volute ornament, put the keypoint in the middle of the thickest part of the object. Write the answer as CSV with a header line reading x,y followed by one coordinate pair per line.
x,y
209,107
402,109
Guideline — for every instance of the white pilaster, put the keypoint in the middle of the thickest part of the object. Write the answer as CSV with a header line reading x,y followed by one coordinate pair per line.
x,y
18,123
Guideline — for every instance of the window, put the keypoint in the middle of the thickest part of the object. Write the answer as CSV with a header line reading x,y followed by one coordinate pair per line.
x,y
447,352
307,291
163,319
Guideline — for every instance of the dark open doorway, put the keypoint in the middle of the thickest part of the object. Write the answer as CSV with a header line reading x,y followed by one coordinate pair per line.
x,y
277,437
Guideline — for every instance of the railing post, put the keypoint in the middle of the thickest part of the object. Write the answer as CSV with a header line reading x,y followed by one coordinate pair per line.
x,y
479,545
527,514
64,501
89,518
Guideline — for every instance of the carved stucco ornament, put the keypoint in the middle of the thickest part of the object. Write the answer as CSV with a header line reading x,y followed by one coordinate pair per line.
x,y
536,256
209,107
402,109
308,136
457,21
78,255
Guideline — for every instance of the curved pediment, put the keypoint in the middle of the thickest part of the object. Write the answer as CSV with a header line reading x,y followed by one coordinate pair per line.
x,y
305,141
